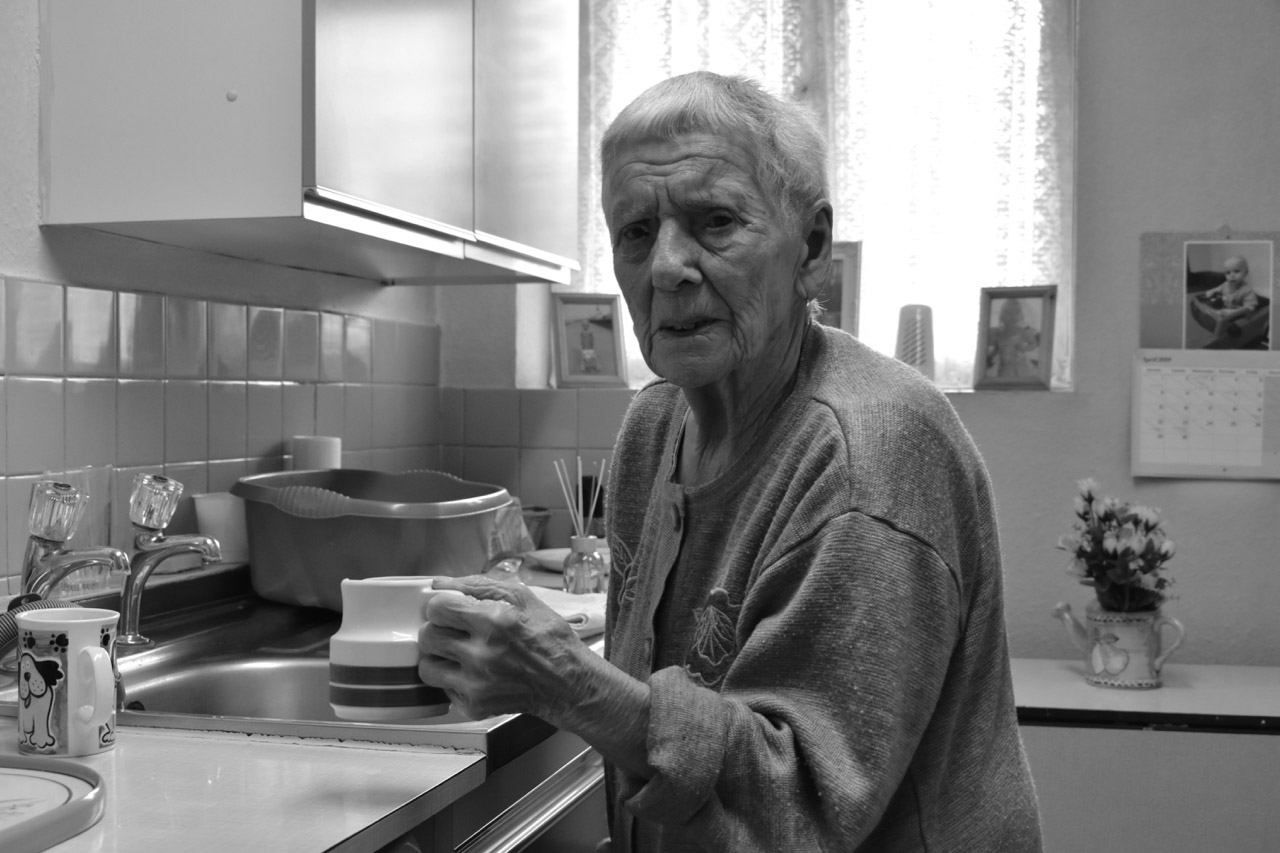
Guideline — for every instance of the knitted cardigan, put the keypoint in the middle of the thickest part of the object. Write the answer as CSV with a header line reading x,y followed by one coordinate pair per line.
x,y
821,627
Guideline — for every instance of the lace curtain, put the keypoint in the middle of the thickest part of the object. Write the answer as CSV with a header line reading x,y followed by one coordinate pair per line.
x,y
951,128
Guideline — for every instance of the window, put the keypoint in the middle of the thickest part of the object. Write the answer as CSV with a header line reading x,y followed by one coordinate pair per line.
x,y
952,140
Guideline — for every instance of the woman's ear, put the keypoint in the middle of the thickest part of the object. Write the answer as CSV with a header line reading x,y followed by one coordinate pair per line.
x,y
814,271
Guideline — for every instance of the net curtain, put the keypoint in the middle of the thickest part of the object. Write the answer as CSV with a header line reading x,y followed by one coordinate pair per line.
x,y
951,128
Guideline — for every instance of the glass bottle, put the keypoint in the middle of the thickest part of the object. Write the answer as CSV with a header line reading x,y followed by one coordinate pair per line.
x,y
584,567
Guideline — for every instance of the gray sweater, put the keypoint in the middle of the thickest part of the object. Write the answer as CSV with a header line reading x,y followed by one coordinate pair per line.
x,y
822,627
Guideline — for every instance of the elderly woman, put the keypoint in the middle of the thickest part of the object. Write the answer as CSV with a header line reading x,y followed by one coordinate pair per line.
x,y
806,646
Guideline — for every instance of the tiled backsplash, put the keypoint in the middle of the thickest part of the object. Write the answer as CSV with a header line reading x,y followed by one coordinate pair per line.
x,y
511,437
207,391
202,391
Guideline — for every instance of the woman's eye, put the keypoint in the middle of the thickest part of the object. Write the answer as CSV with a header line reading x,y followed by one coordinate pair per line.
x,y
718,219
631,233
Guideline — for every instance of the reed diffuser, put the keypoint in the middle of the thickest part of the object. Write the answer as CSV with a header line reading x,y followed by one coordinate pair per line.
x,y
583,567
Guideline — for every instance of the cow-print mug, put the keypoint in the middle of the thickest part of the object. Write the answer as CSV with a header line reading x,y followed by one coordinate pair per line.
x,y
66,683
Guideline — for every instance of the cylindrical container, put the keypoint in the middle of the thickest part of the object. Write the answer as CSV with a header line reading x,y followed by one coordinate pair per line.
x,y
584,566
221,515
66,683
316,452
373,659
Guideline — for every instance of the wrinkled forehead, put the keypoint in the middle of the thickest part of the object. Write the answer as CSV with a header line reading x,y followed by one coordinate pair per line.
x,y
691,171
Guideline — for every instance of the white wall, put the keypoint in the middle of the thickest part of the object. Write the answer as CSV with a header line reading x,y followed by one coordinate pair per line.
x,y
1179,121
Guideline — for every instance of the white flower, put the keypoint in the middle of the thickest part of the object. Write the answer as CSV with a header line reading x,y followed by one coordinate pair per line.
x,y
1167,548
1087,487
1109,544
1149,517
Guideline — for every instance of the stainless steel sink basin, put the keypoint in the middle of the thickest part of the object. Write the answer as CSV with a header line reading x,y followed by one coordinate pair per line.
x,y
262,686
253,666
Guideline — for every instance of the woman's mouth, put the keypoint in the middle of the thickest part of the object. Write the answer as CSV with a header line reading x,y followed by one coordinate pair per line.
x,y
686,326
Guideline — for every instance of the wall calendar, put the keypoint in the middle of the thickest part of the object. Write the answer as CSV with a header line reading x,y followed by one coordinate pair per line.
x,y
1206,413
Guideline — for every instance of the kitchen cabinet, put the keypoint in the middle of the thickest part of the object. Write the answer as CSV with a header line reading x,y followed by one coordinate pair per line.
x,y
1186,767
395,140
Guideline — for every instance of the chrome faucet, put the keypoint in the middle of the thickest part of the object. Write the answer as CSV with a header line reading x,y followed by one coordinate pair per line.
x,y
150,509
55,511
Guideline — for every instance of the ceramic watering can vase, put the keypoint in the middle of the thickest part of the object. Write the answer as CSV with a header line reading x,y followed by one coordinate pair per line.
x,y
1121,649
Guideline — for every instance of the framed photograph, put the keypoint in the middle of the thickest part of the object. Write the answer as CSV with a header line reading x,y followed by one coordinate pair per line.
x,y
1015,337
588,341
1228,294
840,299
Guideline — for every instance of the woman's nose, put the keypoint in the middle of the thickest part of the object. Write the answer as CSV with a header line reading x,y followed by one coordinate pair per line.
x,y
675,258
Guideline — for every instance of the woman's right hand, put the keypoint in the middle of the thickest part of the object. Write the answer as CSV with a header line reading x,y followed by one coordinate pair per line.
x,y
498,649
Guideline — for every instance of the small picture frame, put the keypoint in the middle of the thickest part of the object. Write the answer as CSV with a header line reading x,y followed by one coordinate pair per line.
x,y
588,341
841,297
1015,337
1222,314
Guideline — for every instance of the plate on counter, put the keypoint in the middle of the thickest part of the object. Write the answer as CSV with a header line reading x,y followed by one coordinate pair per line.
x,y
552,559
44,801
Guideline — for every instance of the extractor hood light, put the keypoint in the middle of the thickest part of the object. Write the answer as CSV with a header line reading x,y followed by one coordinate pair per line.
x,y
379,228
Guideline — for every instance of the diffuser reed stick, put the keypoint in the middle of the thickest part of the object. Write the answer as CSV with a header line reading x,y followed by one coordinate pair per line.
x,y
580,513
562,474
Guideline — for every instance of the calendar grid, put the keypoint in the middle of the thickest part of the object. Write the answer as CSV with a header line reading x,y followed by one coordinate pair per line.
x,y
1206,414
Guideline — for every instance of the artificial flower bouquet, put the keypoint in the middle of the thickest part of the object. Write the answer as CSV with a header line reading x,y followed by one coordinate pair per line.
x,y
1119,549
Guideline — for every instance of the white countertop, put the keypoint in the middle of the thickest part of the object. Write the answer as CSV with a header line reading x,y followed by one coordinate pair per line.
x,y
209,791
1189,690
172,790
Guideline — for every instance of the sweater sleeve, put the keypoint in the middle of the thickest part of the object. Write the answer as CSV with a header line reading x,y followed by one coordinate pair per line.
x,y
846,647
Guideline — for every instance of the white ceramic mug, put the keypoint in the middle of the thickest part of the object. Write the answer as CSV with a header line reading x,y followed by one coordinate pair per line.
x,y
373,659
66,683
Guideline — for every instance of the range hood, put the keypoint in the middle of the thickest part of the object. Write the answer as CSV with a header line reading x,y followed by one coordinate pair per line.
x,y
391,140
345,236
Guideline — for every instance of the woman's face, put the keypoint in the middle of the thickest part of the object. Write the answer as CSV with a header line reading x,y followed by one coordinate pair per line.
x,y
707,265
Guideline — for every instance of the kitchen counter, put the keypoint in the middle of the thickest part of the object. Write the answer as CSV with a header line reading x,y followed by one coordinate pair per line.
x,y
1183,768
197,791
309,786
216,791
1194,696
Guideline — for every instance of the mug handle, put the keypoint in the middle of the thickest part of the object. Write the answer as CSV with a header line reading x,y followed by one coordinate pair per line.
x,y
96,673
1180,634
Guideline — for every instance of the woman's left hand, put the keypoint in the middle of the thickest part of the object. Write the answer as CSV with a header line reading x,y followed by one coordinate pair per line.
x,y
498,649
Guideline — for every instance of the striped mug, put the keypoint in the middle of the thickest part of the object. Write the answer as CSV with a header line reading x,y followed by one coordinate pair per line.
x,y
373,659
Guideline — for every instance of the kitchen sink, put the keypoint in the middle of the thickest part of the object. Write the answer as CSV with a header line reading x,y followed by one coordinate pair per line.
x,y
254,666
263,686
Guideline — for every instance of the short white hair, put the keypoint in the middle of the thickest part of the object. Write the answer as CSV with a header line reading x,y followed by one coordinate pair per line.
x,y
789,150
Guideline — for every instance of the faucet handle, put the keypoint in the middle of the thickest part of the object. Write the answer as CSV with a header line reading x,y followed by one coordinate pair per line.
x,y
55,510
153,500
